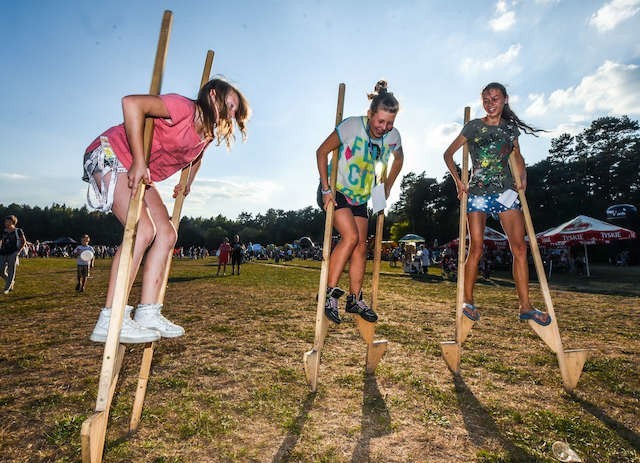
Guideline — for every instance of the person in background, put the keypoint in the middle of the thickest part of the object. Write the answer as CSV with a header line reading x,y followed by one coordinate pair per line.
x,y
85,256
223,256
12,244
237,249
425,258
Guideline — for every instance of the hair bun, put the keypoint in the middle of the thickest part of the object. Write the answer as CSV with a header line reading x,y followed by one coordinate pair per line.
x,y
381,87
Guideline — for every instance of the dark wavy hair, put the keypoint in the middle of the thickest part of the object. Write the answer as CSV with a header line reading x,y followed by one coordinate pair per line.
x,y
508,114
215,118
381,98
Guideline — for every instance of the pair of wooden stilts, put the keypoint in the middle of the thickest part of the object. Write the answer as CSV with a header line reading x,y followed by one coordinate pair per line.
x,y
94,428
375,348
571,362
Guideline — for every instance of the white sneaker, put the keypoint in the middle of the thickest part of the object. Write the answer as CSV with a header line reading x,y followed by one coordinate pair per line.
x,y
149,316
130,333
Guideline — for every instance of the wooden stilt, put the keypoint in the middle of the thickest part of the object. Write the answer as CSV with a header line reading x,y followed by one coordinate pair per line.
x,y
93,430
574,361
375,349
451,355
451,350
570,362
311,359
147,355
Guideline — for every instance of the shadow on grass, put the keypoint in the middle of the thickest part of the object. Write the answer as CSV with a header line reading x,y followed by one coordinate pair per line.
x,y
426,278
375,421
291,440
481,426
620,429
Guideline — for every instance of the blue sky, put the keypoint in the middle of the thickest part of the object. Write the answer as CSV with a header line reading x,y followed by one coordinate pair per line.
x,y
67,64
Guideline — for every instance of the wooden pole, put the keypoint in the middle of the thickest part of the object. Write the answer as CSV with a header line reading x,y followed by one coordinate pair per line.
x,y
451,349
147,355
375,349
570,362
311,359
94,429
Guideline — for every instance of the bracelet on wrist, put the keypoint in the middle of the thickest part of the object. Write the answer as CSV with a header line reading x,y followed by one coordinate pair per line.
x,y
326,192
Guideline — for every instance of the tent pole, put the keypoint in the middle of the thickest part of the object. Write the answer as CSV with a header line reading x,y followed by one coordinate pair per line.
x,y
586,259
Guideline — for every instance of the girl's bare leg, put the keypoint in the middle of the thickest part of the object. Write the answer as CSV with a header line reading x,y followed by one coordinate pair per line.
x,y
156,258
358,257
345,223
477,222
144,236
513,224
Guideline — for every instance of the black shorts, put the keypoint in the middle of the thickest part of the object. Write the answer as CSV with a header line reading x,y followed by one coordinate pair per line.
x,y
358,211
82,271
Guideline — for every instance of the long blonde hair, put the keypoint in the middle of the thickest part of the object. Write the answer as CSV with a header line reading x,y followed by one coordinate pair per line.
x,y
215,118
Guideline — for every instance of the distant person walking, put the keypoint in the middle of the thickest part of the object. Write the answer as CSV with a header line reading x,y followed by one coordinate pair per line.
x,y
12,244
425,258
85,255
491,140
363,142
223,256
237,249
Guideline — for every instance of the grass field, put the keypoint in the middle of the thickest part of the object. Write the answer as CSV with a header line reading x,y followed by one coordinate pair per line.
x,y
233,388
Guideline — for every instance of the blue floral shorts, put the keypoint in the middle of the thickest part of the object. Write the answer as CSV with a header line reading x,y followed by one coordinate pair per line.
x,y
493,204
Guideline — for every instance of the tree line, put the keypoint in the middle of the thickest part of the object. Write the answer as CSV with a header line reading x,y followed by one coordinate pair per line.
x,y
583,174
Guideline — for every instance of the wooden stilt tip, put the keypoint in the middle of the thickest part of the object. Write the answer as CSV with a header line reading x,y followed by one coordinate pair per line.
x,y
375,351
311,362
451,355
92,436
574,361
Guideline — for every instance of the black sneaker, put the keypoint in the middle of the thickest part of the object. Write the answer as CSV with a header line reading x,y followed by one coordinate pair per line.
x,y
358,306
331,304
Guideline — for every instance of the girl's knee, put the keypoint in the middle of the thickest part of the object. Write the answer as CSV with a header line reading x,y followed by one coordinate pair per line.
x,y
475,252
349,240
519,250
361,247
167,236
145,234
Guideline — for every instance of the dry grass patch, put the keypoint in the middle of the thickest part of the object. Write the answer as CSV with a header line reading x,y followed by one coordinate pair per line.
x,y
233,388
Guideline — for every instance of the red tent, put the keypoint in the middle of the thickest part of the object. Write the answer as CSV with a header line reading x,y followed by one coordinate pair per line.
x,y
584,230
492,238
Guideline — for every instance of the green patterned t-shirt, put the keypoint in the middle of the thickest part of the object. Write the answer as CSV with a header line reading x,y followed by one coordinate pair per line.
x,y
358,155
489,147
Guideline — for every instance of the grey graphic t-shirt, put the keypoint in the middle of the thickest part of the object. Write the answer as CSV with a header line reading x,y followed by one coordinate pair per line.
x,y
490,146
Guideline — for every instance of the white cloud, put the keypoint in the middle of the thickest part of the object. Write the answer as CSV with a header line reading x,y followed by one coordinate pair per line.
x,y
502,60
571,129
12,176
209,197
613,13
424,146
41,191
504,18
613,89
